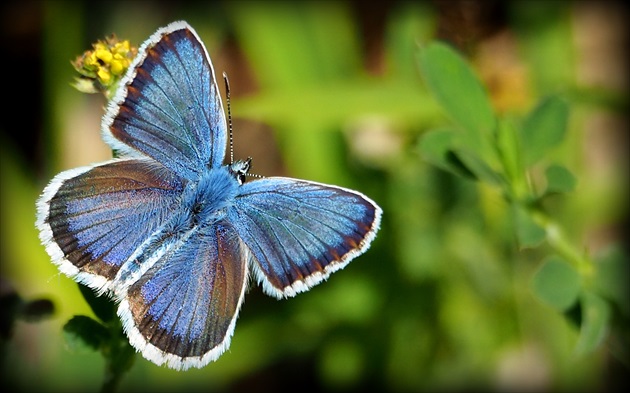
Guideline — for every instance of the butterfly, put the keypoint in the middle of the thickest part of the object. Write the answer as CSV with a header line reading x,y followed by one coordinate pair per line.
x,y
172,233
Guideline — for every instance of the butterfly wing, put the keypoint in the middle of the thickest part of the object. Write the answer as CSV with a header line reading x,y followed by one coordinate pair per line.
x,y
168,106
92,220
182,311
299,232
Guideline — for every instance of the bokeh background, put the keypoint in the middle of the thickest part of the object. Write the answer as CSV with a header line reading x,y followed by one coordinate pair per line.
x,y
331,91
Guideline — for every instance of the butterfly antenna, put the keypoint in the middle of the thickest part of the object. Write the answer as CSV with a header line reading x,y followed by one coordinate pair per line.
x,y
227,96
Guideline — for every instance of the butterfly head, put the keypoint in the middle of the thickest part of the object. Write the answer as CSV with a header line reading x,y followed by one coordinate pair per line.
x,y
239,169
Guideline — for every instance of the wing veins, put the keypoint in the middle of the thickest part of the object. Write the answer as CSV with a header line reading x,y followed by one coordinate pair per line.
x,y
278,242
142,130
262,248
160,109
300,201
199,104
189,131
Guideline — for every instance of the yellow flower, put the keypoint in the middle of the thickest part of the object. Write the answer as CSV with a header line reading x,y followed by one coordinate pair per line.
x,y
104,55
104,65
104,76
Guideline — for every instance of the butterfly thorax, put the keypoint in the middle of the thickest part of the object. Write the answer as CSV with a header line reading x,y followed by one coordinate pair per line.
x,y
206,200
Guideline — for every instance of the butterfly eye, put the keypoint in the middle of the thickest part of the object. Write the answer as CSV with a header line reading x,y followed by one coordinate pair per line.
x,y
246,165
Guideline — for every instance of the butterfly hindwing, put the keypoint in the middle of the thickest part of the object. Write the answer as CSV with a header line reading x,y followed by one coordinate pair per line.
x,y
93,219
182,311
299,232
169,107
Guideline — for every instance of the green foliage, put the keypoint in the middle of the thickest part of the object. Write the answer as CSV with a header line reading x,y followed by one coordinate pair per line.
x,y
543,129
559,281
464,99
595,322
84,332
448,76
528,232
559,179
105,336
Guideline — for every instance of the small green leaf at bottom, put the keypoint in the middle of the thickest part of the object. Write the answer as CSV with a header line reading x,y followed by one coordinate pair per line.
x,y
528,233
559,179
557,283
595,318
102,306
84,332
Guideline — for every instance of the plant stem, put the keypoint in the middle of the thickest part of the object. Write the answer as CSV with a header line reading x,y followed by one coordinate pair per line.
x,y
558,241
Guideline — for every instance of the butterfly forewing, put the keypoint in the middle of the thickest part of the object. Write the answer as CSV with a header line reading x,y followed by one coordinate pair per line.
x,y
169,107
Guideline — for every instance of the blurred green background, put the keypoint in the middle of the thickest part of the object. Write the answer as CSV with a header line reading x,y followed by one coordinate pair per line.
x,y
332,92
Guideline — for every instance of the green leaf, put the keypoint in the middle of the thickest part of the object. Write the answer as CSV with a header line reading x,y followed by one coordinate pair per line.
x,y
544,128
102,306
528,233
595,318
612,278
559,179
557,283
444,149
436,147
84,332
457,89
509,147
479,167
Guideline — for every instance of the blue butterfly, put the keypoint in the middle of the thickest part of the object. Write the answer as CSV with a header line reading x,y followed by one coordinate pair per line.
x,y
172,233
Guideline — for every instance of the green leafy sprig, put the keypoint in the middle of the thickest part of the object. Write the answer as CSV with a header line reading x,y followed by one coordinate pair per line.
x,y
502,152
